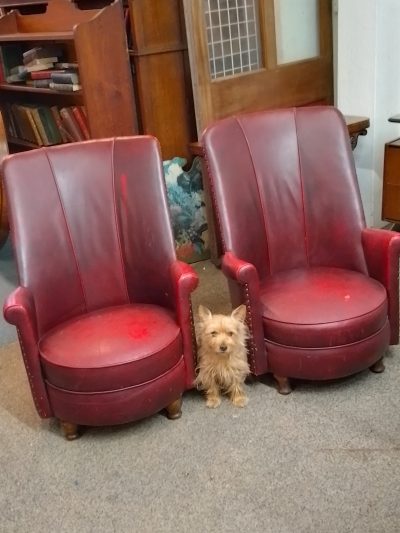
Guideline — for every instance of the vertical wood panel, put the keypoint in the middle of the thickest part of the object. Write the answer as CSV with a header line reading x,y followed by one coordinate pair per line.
x,y
162,75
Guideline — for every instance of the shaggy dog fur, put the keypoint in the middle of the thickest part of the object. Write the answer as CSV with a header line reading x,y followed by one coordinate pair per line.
x,y
222,356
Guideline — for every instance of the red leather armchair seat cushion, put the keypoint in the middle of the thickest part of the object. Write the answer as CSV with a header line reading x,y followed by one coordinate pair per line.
x,y
111,349
322,307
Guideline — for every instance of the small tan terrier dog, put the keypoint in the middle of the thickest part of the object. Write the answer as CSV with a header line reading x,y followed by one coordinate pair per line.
x,y
222,356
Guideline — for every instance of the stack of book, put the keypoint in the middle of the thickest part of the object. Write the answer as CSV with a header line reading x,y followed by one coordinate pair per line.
x,y
41,67
65,77
44,125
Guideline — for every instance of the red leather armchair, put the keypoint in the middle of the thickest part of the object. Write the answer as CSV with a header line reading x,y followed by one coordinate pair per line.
x,y
321,289
103,309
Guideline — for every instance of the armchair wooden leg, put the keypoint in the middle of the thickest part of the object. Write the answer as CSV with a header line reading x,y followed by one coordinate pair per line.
x,y
70,430
378,367
283,384
174,409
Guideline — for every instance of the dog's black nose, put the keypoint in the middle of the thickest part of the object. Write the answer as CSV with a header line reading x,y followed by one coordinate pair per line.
x,y
222,348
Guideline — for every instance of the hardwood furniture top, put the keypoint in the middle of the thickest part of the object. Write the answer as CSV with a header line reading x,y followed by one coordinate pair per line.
x,y
57,22
356,124
17,3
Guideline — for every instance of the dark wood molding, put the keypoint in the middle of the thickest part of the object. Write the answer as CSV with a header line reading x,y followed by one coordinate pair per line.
x,y
357,126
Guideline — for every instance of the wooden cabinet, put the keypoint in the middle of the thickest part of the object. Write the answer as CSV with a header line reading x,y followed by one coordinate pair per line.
x,y
391,182
162,75
94,39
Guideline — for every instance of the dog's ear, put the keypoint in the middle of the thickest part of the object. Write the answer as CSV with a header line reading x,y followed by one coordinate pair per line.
x,y
239,313
204,313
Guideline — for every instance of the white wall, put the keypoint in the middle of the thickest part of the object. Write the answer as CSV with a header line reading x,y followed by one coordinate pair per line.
x,y
368,84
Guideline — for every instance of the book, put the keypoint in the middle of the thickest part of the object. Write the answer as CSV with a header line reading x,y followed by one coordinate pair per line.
x,y
38,84
50,128
64,132
41,52
43,74
65,86
19,69
28,112
66,66
65,136
44,66
26,131
9,120
40,126
70,124
65,77
15,112
81,120
16,78
41,61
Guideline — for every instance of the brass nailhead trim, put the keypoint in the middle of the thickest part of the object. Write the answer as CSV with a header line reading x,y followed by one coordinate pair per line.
x,y
30,376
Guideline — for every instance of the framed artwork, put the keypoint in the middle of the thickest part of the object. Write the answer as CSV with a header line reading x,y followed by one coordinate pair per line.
x,y
187,207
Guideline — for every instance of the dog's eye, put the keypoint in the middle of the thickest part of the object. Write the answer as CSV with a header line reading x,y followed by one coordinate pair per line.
x,y
230,333
214,333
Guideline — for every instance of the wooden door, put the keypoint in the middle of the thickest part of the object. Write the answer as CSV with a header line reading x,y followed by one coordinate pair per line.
x,y
238,59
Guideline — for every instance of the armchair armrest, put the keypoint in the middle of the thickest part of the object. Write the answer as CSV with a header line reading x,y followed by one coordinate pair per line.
x,y
19,310
185,280
382,250
246,277
184,277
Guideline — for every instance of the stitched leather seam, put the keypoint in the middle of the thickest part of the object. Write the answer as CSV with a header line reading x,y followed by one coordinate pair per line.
x,y
117,228
193,333
324,323
91,393
30,375
67,228
214,201
263,207
318,348
114,365
253,347
302,190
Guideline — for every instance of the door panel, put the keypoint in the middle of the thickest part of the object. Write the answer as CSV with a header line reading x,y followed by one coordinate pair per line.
x,y
237,64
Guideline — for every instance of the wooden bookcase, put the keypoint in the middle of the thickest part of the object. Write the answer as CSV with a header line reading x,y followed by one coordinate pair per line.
x,y
96,40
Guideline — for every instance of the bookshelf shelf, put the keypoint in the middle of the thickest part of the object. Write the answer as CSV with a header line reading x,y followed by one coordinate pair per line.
x,y
39,36
21,142
33,90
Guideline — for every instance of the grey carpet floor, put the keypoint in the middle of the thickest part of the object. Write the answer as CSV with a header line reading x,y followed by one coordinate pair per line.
x,y
325,459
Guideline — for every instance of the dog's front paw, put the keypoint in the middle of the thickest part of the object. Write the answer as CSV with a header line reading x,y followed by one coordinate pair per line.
x,y
213,402
239,400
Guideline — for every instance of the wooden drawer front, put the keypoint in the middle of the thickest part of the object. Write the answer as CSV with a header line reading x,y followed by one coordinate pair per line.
x,y
391,182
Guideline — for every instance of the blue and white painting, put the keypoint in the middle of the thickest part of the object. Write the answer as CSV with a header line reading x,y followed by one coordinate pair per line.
x,y
188,215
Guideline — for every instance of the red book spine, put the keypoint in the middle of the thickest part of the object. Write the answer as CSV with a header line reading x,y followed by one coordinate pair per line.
x,y
41,74
81,120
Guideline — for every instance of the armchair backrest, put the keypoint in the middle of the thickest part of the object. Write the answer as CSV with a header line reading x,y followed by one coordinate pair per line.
x,y
285,190
90,226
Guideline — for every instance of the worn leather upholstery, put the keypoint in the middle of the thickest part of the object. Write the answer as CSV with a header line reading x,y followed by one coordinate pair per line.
x,y
103,308
321,289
